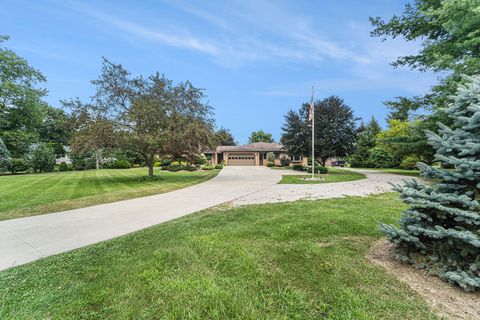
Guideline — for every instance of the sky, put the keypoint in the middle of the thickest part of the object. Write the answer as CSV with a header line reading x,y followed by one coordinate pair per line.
x,y
256,59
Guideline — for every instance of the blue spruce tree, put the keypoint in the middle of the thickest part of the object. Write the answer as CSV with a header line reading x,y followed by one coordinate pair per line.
x,y
441,230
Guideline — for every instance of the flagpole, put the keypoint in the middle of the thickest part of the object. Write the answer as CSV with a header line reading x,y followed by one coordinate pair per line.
x,y
313,137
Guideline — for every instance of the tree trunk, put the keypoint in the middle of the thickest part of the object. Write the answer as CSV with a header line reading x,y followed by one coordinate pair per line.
x,y
150,170
97,160
324,161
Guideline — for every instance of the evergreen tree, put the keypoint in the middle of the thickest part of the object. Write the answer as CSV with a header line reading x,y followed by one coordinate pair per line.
x,y
4,157
366,141
441,230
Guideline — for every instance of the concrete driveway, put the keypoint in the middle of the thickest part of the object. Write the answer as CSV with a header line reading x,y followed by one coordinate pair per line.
x,y
27,239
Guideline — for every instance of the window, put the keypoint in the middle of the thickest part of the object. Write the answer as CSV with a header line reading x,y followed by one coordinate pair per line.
x,y
296,158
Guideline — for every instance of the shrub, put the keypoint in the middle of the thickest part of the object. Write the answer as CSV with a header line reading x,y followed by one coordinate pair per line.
x,y
42,158
157,164
190,168
285,161
165,162
18,165
63,166
173,167
178,163
219,166
120,164
298,167
381,158
4,157
208,167
270,164
201,160
83,161
409,162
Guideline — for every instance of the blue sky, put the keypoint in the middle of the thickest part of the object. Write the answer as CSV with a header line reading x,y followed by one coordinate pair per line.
x,y
256,59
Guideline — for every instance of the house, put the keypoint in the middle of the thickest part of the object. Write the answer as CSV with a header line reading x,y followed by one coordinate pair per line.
x,y
253,154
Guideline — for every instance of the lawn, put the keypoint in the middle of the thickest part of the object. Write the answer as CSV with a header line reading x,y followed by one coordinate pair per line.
x,y
403,172
333,175
300,260
32,194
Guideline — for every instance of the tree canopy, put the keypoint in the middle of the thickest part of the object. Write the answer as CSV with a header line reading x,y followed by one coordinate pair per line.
x,y
21,106
335,130
223,137
450,38
261,136
150,116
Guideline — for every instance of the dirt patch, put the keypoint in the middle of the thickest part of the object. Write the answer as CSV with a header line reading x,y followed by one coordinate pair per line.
x,y
446,300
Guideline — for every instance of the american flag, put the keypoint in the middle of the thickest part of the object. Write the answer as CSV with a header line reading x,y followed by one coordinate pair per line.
x,y
310,113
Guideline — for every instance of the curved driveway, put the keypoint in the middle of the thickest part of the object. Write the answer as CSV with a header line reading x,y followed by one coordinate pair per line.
x,y
27,239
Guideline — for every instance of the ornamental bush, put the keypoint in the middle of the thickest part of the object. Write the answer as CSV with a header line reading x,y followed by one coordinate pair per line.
x,y
208,167
219,166
441,229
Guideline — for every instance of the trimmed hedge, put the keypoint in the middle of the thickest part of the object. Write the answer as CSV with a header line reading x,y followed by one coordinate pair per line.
x,y
208,167
219,166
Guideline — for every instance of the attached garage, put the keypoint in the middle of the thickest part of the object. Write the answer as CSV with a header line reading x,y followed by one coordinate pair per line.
x,y
247,159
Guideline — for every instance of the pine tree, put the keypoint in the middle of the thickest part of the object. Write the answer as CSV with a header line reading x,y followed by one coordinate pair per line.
x,y
441,230
4,157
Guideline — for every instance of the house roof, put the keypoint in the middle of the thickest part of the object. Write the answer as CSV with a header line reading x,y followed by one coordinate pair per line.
x,y
257,146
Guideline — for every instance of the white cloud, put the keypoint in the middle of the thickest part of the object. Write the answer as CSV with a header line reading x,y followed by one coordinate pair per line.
x,y
170,38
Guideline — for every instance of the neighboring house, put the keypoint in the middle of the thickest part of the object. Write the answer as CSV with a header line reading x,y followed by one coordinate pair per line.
x,y
253,154
65,158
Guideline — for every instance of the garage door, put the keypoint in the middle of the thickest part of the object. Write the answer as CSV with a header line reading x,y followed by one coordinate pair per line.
x,y
241,160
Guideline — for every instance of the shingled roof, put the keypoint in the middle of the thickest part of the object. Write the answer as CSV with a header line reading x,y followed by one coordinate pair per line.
x,y
257,146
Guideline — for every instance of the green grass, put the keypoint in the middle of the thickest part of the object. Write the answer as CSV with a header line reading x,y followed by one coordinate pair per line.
x,y
301,260
403,172
32,194
333,175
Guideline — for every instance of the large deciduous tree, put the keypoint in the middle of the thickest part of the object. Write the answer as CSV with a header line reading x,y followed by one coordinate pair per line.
x,y
150,115
335,130
440,231
21,106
